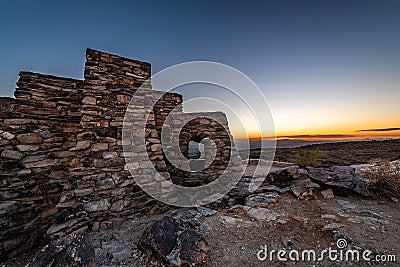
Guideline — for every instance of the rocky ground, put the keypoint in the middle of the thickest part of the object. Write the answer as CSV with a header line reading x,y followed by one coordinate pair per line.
x,y
236,235
279,221
295,210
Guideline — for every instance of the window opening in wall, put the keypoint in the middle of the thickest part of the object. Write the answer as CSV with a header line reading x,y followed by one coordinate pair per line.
x,y
196,156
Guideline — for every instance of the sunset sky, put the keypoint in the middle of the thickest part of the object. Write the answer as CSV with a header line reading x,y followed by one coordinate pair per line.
x,y
325,67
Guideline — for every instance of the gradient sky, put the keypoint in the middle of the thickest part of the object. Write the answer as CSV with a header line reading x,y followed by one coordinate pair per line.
x,y
325,67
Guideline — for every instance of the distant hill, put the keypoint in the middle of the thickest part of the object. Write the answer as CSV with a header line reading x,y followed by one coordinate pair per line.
x,y
340,152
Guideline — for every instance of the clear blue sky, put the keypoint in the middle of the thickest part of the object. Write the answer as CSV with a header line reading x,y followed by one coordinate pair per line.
x,y
322,65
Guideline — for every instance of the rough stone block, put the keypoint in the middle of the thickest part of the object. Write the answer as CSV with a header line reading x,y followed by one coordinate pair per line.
x,y
30,138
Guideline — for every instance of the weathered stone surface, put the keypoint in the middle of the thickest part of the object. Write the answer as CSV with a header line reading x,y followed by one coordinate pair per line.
x,y
262,200
346,204
26,148
171,241
156,147
342,180
82,145
33,158
260,214
66,196
99,205
45,134
61,226
85,136
88,100
391,168
328,216
232,221
284,176
7,207
12,154
59,174
7,135
74,250
30,138
99,147
7,195
123,98
48,212
104,184
110,155
328,193
83,192
19,121
204,121
272,188
41,164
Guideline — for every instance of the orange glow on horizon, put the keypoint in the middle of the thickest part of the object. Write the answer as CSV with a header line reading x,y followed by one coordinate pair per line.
x,y
328,135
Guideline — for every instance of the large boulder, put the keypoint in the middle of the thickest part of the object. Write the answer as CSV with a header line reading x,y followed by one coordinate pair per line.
x,y
174,242
283,175
278,178
73,250
342,179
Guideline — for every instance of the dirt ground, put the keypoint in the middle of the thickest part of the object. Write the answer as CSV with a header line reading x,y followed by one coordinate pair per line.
x,y
235,238
366,224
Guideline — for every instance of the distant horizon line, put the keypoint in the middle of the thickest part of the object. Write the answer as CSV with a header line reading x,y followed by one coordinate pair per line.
x,y
323,137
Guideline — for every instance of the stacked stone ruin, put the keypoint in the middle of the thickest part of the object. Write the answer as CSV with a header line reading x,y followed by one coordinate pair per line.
x,y
62,165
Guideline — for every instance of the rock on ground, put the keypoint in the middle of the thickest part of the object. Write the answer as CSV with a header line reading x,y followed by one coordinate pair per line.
x,y
174,242
262,200
70,251
342,180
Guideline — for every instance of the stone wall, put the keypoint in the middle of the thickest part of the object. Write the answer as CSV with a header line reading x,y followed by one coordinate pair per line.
x,y
62,165
212,130
37,129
